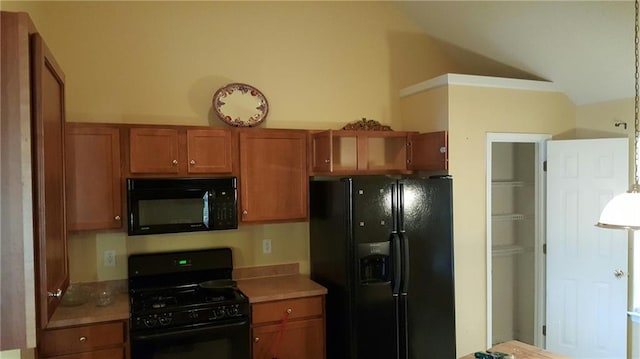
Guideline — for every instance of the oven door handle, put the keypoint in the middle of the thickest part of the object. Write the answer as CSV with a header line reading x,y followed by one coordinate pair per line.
x,y
182,332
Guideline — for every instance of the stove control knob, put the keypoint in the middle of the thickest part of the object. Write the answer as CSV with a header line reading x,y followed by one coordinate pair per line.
x,y
192,314
233,311
219,313
165,319
150,322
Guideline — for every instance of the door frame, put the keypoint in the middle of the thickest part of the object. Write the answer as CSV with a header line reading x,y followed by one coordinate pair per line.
x,y
540,189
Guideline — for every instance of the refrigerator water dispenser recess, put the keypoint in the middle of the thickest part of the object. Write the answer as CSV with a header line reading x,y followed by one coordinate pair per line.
x,y
374,262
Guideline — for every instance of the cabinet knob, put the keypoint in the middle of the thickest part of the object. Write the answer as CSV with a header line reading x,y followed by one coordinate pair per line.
x,y
443,150
192,162
327,161
117,218
82,339
174,162
244,213
289,310
57,294
256,339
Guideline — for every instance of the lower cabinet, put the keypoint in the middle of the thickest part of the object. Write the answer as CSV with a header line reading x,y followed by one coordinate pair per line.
x,y
289,329
96,341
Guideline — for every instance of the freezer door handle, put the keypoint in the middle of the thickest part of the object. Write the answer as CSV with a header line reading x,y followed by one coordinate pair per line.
x,y
397,263
404,245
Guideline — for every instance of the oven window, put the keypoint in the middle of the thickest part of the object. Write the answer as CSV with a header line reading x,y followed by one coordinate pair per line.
x,y
229,343
172,211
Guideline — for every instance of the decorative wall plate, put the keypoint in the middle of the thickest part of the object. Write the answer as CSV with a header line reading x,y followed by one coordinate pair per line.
x,y
240,105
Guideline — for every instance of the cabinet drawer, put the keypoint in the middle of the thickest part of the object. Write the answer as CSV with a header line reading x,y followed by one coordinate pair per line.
x,y
80,339
297,308
115,353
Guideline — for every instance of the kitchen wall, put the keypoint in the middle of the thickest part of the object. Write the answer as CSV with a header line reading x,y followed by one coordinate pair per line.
x,y
469,112
161,62
320,64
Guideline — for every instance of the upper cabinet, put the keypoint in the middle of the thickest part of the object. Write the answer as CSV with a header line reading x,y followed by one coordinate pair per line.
x,y
49,190
273,175
376,152
93,178
179,151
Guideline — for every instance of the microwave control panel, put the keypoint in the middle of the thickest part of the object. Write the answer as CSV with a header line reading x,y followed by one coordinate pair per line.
x,y
225,209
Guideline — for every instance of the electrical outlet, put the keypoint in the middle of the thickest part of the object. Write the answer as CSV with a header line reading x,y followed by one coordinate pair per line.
x,y
109,258
266,246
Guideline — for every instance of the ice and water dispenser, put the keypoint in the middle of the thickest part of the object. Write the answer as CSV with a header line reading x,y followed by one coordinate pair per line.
x,y
375,262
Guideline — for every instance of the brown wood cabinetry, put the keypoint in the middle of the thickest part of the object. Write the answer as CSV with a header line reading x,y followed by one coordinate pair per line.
x,y
49,190
16,217
93,179
177,151
376,152
102,340
289,329
274,183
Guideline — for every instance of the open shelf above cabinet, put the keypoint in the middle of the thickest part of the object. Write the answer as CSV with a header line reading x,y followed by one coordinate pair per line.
x,y
339,152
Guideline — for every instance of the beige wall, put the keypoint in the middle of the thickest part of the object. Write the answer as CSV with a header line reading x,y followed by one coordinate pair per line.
x,y
470,113
473,112
320,65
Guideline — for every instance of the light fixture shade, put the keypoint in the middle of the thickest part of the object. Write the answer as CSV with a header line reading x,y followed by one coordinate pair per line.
x,y
623,211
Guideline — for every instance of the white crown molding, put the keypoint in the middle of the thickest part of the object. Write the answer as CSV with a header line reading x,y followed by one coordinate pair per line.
x,y
479,81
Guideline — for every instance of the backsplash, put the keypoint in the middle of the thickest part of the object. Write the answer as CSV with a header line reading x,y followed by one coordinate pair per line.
x,y
289,244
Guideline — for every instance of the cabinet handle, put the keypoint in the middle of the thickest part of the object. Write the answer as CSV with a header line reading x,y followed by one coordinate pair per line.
x,y
244,213
174,162
327,161
289,310
192,162
57,294
83,339
117,218
256,339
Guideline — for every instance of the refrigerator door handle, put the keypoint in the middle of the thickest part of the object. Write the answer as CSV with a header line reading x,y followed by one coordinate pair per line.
x,y
404,244
397,264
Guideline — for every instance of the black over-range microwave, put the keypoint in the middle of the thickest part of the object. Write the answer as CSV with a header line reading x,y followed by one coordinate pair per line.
x,y
170,205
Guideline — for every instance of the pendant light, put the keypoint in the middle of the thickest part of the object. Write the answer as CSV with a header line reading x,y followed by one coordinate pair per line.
x,y
623,211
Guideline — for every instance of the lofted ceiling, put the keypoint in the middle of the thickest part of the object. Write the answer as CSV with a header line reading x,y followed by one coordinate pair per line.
x,y
585,47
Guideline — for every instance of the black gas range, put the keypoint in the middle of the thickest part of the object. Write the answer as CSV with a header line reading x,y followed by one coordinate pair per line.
x,y
186,305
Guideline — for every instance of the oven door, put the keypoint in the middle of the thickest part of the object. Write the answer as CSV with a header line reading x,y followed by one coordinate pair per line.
x,y
227,341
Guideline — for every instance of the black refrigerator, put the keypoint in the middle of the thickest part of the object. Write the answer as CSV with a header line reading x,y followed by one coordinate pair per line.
x,y
383,247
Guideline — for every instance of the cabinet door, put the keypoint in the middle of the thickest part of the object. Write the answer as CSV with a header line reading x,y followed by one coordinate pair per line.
x,y
153,150
209,151
49,206
93,178
428,151
299,339
321,152
273,175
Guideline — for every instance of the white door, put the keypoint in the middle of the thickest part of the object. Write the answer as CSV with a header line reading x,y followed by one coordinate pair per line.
x,y
586,302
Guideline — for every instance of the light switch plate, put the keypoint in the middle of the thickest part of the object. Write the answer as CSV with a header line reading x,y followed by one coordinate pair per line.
x,y
266,246
109,258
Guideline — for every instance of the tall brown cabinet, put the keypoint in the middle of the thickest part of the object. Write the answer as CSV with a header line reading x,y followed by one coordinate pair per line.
x,y
33,193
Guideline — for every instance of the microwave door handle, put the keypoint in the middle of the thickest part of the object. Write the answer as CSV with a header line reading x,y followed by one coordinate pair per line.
x,y
207,217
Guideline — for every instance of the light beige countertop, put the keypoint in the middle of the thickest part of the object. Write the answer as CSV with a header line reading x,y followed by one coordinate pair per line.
x,y
265,289
90,312
260,284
